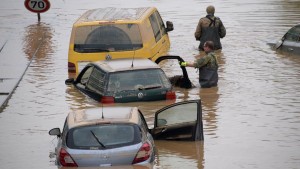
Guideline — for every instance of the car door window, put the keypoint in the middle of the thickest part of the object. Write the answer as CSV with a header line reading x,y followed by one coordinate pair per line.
x,y
179,114
96,81
155,27
85,77
180,121
161,24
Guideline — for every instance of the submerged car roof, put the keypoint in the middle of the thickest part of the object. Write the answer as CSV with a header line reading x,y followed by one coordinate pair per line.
x,y
111,14
116,65
110,115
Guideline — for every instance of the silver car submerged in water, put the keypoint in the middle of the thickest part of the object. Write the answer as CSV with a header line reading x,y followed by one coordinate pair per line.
x,y
290,42
112,136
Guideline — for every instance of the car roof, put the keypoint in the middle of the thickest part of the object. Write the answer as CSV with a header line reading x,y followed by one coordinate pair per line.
x,y
116,65
92,116
112,14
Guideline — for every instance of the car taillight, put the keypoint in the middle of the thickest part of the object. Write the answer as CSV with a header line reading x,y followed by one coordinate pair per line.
x,y
107,99
65,159
170,95
143,153
71,67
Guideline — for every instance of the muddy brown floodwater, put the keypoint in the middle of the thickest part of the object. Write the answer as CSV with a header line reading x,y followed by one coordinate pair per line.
x,y
251,120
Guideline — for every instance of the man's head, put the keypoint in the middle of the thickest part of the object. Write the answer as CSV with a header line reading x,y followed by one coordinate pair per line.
x,y
208,46
210,10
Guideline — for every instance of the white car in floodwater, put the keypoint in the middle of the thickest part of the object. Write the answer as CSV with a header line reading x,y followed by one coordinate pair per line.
x,y
290,42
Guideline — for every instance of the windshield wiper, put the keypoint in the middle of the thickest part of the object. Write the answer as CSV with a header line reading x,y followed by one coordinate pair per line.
x,y
141,88
97,139
152,87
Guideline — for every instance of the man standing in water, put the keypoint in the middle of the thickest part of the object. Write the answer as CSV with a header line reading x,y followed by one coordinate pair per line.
x,y
208,66
210,28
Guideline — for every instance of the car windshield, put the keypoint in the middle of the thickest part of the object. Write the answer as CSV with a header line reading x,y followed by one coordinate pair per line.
x,y
138,80
103,136
107,37
293,34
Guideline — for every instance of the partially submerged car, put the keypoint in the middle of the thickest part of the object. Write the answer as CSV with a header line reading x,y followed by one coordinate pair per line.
x,y
124,80
290,42
111,136
117,33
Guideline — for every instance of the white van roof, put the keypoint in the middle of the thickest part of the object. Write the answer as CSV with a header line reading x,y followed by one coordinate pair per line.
x,y
114,14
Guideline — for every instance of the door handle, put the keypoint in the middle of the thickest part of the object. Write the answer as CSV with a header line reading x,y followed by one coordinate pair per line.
x,y
163,130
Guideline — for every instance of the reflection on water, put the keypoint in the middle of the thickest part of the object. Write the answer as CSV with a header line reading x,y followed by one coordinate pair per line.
x,y
209,105
251,120
38,40
180,154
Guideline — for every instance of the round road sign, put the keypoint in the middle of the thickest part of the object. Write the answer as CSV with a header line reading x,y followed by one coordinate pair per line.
x,y
37,6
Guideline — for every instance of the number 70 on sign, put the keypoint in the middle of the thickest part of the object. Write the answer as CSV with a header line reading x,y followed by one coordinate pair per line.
x,y
37,6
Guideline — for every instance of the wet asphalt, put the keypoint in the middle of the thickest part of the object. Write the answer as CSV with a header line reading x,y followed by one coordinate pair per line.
x,y
12,67
11,72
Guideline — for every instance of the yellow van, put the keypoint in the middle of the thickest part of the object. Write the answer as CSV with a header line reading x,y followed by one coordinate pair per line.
x,y
111,33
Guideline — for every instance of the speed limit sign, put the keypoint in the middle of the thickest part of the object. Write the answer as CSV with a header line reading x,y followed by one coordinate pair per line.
x,y
37,6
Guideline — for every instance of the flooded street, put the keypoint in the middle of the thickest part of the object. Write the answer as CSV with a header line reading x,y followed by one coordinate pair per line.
x,y
251,120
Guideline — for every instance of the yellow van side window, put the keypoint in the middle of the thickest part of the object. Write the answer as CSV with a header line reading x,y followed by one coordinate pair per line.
x,y
155,27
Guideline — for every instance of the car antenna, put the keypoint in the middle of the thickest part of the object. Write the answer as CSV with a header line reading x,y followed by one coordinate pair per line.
x,y
133,58
102,111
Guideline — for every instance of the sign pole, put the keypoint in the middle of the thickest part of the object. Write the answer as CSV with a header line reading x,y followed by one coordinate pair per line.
x,y
39,17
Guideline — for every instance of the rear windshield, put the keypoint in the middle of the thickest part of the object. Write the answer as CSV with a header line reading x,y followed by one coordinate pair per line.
x,y
103,136
108,37
138,80
293,34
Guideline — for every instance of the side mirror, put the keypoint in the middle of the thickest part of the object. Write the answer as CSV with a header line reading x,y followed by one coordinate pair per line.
x,y
278,44
55,132
69,81
170,26
161,122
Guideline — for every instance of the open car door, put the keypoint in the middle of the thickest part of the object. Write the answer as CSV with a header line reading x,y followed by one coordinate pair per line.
x,y
181,81
179,121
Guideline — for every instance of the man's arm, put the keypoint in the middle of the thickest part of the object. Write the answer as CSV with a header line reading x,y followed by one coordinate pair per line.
x,y
201,62
197,63
222,30
198,31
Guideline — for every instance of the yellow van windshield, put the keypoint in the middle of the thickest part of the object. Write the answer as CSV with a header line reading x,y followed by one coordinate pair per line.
x,y
108,37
